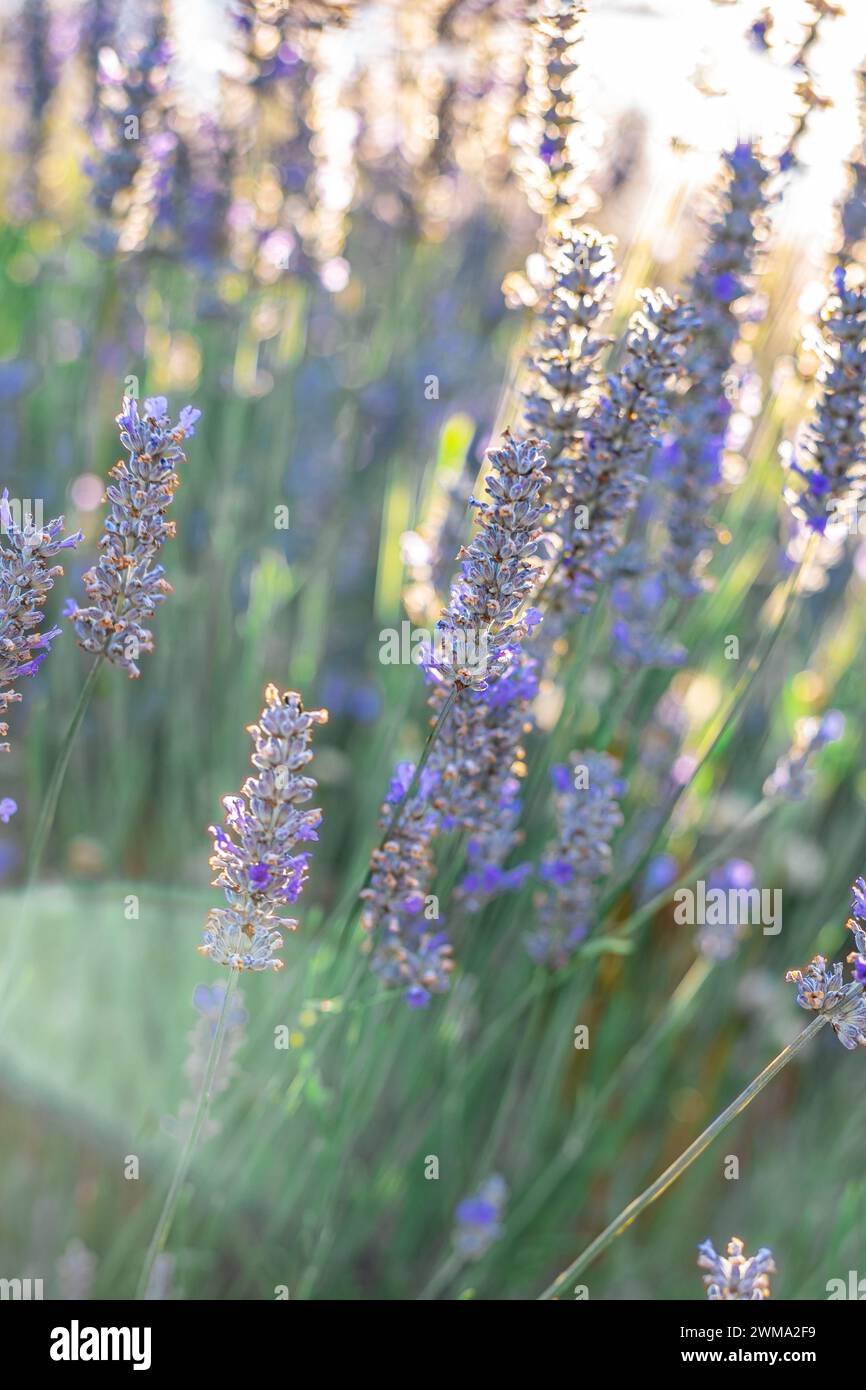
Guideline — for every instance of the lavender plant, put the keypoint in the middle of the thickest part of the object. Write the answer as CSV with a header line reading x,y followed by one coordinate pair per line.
x,y
406,953
827,462
259,873
555,155
588,790
734,1275
722,279
602,481
254,857
27,576
126,586
208,1001
486,617
131,86
821,990
563,363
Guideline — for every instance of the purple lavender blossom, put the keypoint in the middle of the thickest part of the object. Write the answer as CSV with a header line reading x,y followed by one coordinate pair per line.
x,y
477,634
405,952
26,579
254,856
829,462
734,1276
600,484
723,278
479,1219
8,808
852,213
130,88
793,773
822,988
566,348
125,586
481,758
588,791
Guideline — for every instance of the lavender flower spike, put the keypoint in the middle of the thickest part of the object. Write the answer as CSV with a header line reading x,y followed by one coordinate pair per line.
x,y
476,635
718,289
588,815
26,578
405,952
253,857
823,989
600,486
831,459
126,585
734,1275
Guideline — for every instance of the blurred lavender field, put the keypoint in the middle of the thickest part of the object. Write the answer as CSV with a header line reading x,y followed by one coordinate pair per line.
x,y
592,777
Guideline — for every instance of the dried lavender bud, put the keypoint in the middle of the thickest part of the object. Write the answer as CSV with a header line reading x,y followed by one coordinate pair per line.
x,y
253,857
831,454
479,1219
208,1001
126,586
26,579
588,790
734,1276
823,989
477,633
792,775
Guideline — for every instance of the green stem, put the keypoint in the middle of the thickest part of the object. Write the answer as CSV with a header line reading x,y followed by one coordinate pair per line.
x,y
720,728
686,1159
52,795
527,1210
444,1275
163,1225
419,767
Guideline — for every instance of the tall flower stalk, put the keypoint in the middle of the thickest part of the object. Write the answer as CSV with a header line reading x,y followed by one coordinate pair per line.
x,y
126,585
600,483
476,643
828,462
822,990
259,872
676,1169
27,576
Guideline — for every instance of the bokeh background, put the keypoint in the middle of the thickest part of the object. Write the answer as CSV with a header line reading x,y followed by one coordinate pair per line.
x,y
306,241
